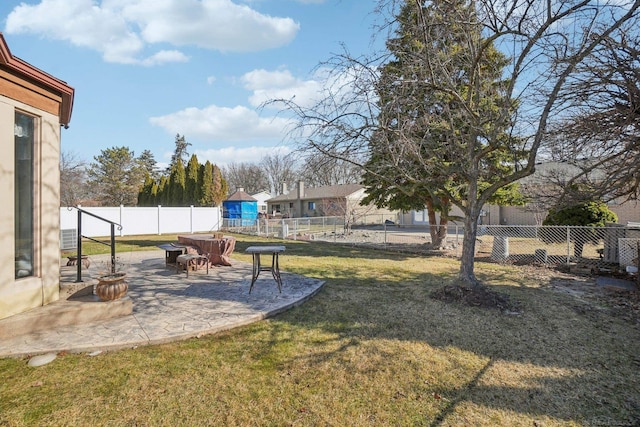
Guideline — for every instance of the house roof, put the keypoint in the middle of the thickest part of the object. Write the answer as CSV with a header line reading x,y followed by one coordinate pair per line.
x,y
327,191
38,77
262,196
240,196
546,171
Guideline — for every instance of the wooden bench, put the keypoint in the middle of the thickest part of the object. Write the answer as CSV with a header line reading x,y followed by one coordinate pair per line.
x,y
190,261
73,260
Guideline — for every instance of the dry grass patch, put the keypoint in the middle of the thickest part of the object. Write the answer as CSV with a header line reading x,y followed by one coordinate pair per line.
x,y
371,349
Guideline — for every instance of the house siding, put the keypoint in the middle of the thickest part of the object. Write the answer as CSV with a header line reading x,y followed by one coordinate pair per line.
x,y
23,294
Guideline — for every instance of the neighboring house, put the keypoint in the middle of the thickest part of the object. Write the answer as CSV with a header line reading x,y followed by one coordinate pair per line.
x,y
331,200
33,107
262,198
529,214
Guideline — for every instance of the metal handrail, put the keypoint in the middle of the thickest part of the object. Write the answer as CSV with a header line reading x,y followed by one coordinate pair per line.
x,y
112,243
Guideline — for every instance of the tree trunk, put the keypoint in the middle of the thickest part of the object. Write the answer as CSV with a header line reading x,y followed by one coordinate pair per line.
x,y
438,232
467,274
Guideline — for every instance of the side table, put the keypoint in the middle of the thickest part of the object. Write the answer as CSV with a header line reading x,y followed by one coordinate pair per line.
x,y
171,253
256,251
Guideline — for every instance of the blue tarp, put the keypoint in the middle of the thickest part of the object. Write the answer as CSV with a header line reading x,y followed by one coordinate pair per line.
x,y
245,211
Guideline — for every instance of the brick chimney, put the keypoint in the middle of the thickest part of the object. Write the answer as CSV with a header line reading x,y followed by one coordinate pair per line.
x,y
300,189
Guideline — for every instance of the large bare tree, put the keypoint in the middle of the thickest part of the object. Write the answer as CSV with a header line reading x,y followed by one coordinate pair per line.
x,y
280,169
544,43
320,169
73,179
599,138
249,176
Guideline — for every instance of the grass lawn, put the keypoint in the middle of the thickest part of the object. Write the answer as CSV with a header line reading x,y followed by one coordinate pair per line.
x,y
372,348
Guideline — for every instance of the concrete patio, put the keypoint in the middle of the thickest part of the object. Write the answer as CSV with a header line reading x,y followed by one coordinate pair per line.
x,y
166,306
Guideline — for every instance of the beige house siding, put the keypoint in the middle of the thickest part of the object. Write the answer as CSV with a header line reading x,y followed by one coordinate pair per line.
x,y
627,212
18,295
519,215
26,89
323,201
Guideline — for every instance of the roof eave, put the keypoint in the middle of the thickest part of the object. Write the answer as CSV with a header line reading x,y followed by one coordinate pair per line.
x,y
40,77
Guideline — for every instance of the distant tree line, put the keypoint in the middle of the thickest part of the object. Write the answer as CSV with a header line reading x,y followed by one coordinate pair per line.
x,y
118,177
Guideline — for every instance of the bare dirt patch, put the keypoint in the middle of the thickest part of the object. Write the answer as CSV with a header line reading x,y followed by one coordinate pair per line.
x,y
476,297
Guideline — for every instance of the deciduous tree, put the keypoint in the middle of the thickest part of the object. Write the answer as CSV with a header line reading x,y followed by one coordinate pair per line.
x,y
280,169
249,176
73,179
493,72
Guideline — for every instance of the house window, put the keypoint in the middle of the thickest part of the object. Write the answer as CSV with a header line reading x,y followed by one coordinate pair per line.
x,y
311,206
25,197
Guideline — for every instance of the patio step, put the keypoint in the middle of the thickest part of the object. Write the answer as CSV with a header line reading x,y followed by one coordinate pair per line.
x,y
78,310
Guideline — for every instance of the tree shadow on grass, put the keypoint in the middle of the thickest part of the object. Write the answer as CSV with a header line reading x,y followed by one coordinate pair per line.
x,y
546,361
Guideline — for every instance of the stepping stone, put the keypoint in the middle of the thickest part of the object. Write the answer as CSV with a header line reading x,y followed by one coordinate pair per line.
x,y
42,359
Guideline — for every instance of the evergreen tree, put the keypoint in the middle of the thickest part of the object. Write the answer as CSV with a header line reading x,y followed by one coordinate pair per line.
x,y
148,162
176,184
162,194
115,177
145,197
180,152
220,187
192,187
154,194
206,185
442,135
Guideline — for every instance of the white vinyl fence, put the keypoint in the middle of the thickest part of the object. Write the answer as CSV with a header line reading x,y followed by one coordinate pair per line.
x,y
143,220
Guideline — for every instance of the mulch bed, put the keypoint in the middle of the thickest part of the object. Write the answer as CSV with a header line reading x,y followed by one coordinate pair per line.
x,y
479,296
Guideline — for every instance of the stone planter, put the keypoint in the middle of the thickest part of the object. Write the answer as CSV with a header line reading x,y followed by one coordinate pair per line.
x,y
112,286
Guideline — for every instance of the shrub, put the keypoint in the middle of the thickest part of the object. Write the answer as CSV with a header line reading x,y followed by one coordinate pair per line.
x,y
587,214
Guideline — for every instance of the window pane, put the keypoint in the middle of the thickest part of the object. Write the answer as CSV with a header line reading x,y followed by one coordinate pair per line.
x,y
24,194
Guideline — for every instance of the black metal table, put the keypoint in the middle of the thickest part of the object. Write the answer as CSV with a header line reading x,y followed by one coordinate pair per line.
x,y
275,251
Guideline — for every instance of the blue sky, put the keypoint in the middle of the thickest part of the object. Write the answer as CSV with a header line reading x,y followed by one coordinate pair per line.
x,y
144,70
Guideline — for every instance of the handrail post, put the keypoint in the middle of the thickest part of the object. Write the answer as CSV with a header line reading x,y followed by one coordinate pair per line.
x,y
113,249
79,245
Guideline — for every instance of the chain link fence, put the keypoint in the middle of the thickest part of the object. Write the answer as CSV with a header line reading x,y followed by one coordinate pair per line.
x,y
591,248
323,228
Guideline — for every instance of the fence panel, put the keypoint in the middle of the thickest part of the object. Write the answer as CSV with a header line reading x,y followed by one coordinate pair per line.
x,y
139,221
143,220
587,247
205,219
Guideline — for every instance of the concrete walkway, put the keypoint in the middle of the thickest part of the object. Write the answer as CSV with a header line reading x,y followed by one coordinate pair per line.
x,y
168,306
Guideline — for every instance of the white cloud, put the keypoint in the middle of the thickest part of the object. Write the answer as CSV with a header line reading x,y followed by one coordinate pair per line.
x,y
268,85
165,56
211,24
222,124
122,29
211,80
227,155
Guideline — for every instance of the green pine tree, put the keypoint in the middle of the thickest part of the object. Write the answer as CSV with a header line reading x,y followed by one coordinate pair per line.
x,y
177,179
192,187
